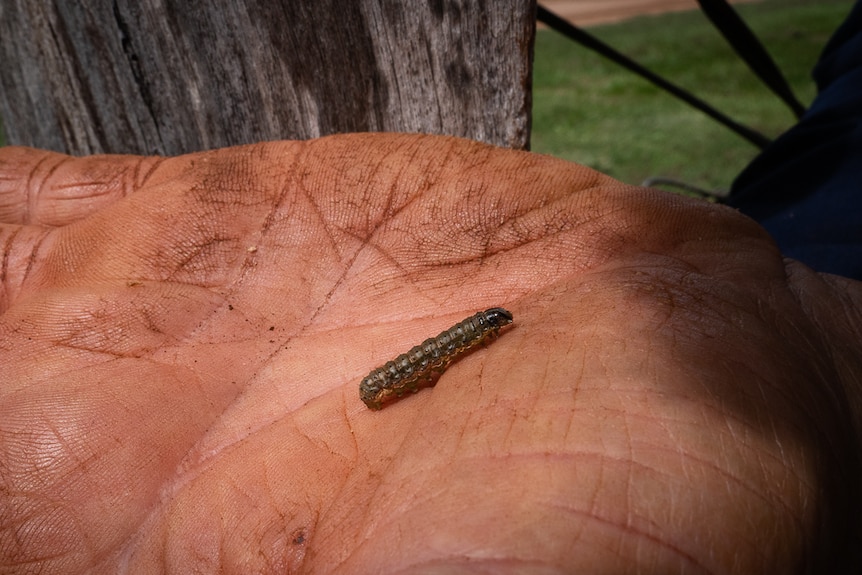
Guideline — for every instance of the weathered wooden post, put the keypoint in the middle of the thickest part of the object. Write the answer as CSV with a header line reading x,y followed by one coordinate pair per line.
x,y
170,76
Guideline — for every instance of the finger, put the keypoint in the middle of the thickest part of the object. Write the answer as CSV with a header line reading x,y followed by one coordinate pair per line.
x,y
834,306
50,189
19,248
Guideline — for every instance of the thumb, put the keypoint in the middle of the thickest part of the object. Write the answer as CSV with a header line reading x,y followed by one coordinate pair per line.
x,y
45,188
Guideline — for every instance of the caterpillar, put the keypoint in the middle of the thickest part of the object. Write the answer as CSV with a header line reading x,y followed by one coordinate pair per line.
x,y
420,366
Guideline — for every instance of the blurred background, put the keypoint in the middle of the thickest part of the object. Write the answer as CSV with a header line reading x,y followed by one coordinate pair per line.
x,y
590,111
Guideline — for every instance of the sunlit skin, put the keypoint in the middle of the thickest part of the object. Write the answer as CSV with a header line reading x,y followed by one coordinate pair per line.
x,y
182,340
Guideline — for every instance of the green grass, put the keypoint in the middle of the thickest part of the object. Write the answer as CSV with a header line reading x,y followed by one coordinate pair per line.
x,y
590,111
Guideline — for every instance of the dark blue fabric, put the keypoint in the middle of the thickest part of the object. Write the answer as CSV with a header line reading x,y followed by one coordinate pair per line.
x,y
806,188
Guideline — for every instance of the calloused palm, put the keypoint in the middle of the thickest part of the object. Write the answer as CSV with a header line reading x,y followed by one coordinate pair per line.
x,y
182,341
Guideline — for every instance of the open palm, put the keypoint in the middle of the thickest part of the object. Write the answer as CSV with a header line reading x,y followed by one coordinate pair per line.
x,y
182,341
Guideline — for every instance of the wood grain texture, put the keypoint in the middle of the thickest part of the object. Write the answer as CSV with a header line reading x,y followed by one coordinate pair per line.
x,y
170,77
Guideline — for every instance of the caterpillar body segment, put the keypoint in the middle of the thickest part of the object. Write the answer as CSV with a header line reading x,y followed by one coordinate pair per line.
x,y
420,366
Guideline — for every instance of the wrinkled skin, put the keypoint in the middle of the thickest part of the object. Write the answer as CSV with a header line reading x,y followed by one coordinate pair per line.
x,y
182,341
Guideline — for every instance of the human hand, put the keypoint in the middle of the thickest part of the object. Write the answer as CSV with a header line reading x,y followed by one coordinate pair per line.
x,y
182,341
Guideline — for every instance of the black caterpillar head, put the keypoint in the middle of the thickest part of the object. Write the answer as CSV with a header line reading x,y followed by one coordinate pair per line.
x,y
497,316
